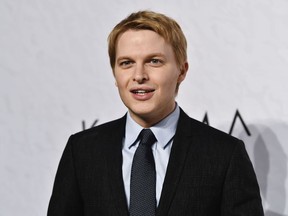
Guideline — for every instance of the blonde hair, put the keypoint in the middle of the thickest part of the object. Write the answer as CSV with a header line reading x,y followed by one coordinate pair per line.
x,y
165,26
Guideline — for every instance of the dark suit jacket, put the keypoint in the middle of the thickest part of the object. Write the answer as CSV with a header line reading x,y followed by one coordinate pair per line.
x,y
209,173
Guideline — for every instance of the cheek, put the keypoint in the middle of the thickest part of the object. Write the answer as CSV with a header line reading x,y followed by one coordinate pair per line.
x,y
167,86
123,86
171,80
120,81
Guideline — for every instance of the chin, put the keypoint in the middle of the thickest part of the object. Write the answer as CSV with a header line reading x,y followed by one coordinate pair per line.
x,y
142,111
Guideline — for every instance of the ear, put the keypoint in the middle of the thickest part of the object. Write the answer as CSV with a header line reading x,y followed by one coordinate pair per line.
x,y
183,72
116,84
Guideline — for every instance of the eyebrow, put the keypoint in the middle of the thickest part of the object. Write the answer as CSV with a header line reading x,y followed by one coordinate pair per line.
x,y
156,55
152,55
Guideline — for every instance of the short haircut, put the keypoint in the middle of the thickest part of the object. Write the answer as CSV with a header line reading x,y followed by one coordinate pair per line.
x,y
163,25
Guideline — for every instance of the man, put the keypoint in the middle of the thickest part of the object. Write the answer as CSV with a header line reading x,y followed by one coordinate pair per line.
x,y
193,168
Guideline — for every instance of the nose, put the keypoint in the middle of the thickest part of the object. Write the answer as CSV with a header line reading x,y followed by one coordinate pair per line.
x,y
140,74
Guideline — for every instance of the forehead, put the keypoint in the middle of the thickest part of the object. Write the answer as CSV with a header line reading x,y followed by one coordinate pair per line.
x,y
141,41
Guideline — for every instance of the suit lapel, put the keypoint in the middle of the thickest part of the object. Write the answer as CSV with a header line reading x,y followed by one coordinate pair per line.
x,y
113,142
181,144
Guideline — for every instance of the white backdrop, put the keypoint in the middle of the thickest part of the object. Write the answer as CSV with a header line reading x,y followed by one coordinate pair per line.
x,y
55,78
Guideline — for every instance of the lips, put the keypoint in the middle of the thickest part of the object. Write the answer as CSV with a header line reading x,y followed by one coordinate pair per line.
x,y
141,91
142,94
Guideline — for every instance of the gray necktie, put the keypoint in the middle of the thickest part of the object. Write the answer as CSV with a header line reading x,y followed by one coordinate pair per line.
x,y
143,177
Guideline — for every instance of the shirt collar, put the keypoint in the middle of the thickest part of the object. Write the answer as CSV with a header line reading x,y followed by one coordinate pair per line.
x,y
164,130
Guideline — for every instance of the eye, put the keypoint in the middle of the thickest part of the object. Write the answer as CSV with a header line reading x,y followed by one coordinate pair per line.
x,y
155,62
125,63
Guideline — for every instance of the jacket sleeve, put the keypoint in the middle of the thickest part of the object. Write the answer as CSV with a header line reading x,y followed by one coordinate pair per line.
x,y
241,195
66,199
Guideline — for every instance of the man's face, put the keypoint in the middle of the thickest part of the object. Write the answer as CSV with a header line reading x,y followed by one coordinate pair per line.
x,y
146,75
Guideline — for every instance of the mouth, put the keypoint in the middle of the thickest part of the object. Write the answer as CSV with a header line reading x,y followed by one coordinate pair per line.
x,y
142,91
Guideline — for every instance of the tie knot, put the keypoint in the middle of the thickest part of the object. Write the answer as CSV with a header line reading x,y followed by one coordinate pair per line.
x,y
147,137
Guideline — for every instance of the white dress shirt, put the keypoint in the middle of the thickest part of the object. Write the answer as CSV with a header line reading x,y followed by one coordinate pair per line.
x,y
164,132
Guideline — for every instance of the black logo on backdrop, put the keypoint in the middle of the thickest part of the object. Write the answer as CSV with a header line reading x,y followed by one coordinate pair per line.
x,y
236,116
92,125
205,120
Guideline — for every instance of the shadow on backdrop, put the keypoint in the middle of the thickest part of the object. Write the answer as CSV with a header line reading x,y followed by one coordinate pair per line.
x,y
270,163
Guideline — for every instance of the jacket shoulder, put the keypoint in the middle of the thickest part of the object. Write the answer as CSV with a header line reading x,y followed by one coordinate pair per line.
x,y
102,132
204,131
107,126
